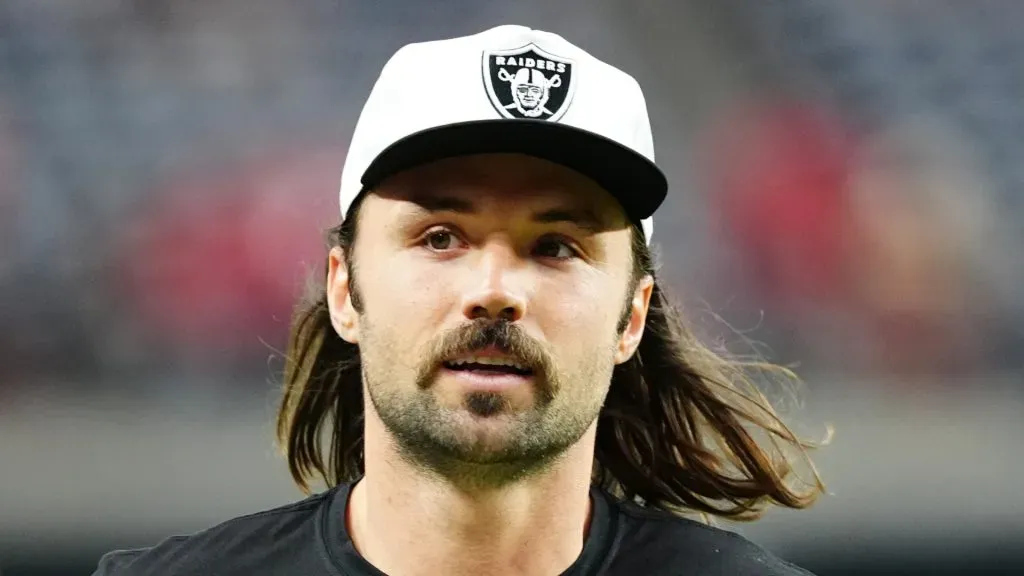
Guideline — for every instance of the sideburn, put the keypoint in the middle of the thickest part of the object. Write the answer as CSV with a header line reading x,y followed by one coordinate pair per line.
x,y
353,287
344,236
641,265
627,308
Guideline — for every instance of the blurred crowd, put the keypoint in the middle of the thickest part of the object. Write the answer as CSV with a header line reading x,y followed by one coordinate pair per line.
x,y
167,171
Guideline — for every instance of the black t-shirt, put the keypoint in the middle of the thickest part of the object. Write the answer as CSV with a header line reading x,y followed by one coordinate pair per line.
x,y
309,538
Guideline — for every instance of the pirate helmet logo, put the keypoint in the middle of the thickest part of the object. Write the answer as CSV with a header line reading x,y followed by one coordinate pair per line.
x,y
528,82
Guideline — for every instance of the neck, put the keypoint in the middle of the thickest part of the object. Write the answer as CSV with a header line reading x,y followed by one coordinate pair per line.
x,y
536,525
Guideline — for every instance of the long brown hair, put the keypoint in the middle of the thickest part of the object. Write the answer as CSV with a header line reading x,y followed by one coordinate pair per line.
x,y
682,429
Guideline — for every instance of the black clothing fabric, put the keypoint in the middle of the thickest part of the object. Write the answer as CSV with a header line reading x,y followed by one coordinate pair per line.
x,y
309,538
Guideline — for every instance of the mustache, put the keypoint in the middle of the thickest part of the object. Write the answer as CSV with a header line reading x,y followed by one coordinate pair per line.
x,y
502,335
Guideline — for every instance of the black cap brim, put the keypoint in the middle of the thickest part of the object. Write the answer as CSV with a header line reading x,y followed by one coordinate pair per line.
x,y
636,182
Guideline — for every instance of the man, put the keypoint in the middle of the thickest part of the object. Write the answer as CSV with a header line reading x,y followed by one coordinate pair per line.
x,y
504,386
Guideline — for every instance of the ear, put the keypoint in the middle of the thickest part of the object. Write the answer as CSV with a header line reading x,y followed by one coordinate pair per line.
x,y
344,316
630,338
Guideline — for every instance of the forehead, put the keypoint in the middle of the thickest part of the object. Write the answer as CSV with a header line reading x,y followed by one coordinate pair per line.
x,y
506,182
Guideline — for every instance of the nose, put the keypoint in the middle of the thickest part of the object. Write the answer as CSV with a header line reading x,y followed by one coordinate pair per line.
x,y
495,290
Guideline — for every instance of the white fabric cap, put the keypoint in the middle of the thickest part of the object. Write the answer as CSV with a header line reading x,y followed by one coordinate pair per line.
x,y
508,89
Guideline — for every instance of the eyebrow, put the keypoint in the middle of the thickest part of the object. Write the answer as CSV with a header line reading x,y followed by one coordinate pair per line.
x,y
582,218
435,203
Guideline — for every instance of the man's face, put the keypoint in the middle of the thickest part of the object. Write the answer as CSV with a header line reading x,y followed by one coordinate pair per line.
x,y
467,266
529,94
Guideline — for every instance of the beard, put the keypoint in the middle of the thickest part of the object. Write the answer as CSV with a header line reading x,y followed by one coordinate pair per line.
x,y
484,442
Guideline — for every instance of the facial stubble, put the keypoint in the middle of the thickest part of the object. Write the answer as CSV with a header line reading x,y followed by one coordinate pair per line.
x,y
483,441
427,435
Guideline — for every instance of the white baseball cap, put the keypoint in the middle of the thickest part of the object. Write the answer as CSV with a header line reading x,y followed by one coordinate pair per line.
x,y
510,89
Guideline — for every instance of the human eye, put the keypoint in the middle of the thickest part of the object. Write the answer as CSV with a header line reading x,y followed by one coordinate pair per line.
x,y
556,248
441,239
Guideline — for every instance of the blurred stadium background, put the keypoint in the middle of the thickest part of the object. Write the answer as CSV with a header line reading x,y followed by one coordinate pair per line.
x,y
848,198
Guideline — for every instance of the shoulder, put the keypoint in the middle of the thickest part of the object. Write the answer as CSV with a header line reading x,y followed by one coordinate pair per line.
x,y
247,544
656,542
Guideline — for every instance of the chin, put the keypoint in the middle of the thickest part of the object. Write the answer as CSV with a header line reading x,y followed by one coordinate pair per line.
x,y
482,435
486,404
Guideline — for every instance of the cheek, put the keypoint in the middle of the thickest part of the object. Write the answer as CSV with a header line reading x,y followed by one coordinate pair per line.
x,y
407,294
423,291
396,281
579,316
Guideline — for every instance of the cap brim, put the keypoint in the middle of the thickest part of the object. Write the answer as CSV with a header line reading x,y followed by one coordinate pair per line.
x,y
636,182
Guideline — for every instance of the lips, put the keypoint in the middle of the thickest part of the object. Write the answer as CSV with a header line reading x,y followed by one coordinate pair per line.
x,y
488,364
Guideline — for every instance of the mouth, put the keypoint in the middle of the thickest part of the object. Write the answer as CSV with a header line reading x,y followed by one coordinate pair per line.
x,y
488,365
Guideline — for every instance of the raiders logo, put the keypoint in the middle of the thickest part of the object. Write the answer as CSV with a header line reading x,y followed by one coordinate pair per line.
x,y
528,82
